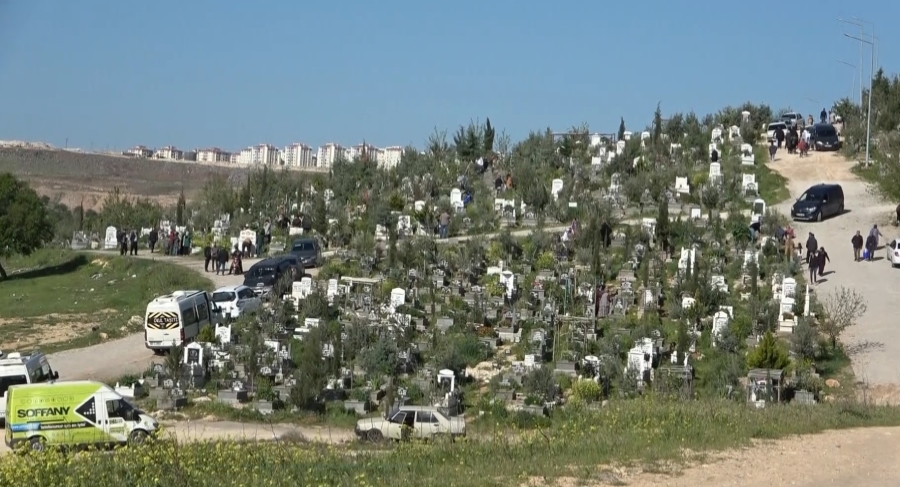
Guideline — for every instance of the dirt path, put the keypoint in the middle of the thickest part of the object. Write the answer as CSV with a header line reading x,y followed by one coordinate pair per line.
x,y
876,338
858,458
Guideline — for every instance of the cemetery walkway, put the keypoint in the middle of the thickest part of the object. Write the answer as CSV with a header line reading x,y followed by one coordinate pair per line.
x,y
875,340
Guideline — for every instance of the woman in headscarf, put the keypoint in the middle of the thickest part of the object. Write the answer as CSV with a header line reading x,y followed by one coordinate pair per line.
x,y
823,257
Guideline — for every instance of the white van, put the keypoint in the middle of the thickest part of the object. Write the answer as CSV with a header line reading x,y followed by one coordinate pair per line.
x,y
175,319
17,369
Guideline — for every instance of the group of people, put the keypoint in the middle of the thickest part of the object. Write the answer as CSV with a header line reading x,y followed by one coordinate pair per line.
x,y
864,250
816,257
218,256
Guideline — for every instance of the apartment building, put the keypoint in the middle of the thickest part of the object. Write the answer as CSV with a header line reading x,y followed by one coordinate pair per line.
x,y
213,154
170,153
329,153
363,152
139,151
389,157
298,155
262,154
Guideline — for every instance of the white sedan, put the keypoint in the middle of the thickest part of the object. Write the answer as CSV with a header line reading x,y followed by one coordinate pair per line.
x,y
893,252
235,301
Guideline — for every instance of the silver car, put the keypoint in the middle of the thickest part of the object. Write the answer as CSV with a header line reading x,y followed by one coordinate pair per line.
x,y
422,422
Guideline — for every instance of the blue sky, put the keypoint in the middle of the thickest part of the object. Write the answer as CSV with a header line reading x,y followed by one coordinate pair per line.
x,y
230,73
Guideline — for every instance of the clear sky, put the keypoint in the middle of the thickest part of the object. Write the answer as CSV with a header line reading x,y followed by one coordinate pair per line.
x,y
229,73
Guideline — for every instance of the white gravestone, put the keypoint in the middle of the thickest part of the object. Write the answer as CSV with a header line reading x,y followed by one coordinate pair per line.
x,y
627,135
734,132
332,290
620,147
223,333
682,186
696,213
556,186
193,354
747,156
715,173
748,183
247,235
302,289
419,205
717,134
398,297
758,210
455,196
112,238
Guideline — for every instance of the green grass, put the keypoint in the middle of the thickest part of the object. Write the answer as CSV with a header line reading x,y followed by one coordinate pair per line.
x,y
59,299
773,187
646,432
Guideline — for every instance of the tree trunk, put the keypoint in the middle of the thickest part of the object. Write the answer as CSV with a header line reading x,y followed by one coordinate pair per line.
x,y
2,272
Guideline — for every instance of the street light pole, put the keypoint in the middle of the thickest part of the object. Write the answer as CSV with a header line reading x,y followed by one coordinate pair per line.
x,y
853,79
861,49
871,79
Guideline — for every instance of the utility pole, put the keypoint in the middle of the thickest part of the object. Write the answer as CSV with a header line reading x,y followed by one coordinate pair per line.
x,y
871,80
862,33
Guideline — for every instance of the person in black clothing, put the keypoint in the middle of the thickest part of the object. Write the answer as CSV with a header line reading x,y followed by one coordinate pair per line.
x,y
814,267
714,156
779,136
221,259
823,116
811,247
152,238
857,242
207,257
123,243
870,247
822,257
133,241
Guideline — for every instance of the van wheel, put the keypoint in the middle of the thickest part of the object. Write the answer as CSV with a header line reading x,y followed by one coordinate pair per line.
x,y
841,209
137,437
819,216
37,444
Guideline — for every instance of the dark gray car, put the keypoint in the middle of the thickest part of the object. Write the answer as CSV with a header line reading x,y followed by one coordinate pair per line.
x,y
824,137
308,251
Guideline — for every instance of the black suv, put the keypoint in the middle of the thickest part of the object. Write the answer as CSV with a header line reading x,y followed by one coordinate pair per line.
x,y
308,251
262,276
819,202
824,137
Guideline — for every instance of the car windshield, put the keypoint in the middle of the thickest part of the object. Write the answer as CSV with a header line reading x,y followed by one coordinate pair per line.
x,y
223,296
810,196
261,271
304,247
826,132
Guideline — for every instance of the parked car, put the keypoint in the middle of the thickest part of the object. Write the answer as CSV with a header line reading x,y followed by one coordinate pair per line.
x,y
824,137
770,131
792,119
308,251
262,276
893,252
423,422
236,301
819,202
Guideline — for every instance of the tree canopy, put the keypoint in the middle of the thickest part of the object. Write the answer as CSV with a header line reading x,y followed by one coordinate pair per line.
x,y
24,220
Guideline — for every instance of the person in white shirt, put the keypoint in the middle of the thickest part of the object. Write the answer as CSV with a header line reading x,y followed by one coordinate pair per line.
x,y
806,135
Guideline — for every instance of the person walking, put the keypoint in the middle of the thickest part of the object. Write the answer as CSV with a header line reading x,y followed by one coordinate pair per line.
x,y
123,243
875,232
152,238
772,150
207,257
822,257
221,259
186,243
871,245
267,234
813,262
823,116
812,245
444,224
857,242
133,242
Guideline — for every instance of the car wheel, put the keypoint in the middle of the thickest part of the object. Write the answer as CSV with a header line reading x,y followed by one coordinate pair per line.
x,y
137,437
819,216
37,444
374,436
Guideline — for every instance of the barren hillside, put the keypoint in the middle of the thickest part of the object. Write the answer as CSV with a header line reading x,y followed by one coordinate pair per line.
x,y
74,175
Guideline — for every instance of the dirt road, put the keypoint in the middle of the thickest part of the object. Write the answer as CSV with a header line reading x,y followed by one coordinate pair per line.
x,y
876,338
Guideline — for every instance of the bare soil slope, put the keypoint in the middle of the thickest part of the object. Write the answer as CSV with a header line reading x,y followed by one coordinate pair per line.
x,y
73,175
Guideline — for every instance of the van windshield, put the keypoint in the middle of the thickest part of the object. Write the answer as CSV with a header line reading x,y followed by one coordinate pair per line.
x,y
811,196
304,247
261,271
223,297
826,132
11,380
